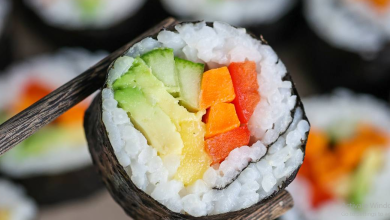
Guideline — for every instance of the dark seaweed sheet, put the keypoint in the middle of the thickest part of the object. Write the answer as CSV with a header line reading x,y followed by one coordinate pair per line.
x,y
331,67
62,187
134,201
110,38
6,53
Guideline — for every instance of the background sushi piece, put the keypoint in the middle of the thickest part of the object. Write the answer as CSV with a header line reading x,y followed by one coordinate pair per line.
x,y
6,53
14,204
346,171
54,165
348,45
276,20
94,24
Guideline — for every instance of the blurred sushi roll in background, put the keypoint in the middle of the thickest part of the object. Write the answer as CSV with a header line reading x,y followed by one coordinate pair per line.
x,y
94,24
349,44
14,204
270,18
347,164
5,47
54,164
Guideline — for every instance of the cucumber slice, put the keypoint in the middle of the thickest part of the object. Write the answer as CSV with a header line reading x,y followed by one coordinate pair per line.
x,y
162,63
190,77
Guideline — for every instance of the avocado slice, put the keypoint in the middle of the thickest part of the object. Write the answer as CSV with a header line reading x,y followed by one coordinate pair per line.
x,y
3,117
47,138
190,77
162,63
5,214
148,118
364,175
89,7
168,120
139,75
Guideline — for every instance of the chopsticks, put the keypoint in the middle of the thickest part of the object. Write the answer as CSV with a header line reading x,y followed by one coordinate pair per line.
x,y
46,110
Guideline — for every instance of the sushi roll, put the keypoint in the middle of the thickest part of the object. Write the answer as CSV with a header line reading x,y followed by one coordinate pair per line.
x,y
5,47
94,24
14,204
54,164
349,44
347,168
274,19
200,119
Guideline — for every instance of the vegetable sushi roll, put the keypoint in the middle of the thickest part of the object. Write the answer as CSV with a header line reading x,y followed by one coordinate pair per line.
x,y
201,119
54,164
351,40
14,204
347,170
95,24
273,19
5,47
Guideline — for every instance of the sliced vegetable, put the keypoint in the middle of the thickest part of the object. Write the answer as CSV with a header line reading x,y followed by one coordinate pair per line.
x,y
35,91
351,150
89,7
221,118
195,160
318,142
244,77
371,163
154,124
220,146
3,117
32,92
5,214
162,63
344,166
217,87
44,140
140,76
190,77
380,4
73,116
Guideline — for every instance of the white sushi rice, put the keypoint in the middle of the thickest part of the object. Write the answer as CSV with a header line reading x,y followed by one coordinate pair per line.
x,y
52,70
69,15
14,201
354,26
324,111
236,12
5,7
217,46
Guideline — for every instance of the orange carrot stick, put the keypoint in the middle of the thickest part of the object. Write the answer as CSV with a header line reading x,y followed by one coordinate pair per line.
x,y
221,118
217,87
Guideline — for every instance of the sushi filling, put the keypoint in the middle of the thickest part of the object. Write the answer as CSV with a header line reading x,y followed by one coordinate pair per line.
x,y
59,147
357,26
84,14
186,121
346,164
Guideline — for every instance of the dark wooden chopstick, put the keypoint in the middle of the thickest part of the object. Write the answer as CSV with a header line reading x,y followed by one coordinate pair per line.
x,y
29,121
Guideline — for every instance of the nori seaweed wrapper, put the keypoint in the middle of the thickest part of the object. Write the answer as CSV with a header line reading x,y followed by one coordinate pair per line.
x,y
135,202
108,39
6,52
284,30
62,187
